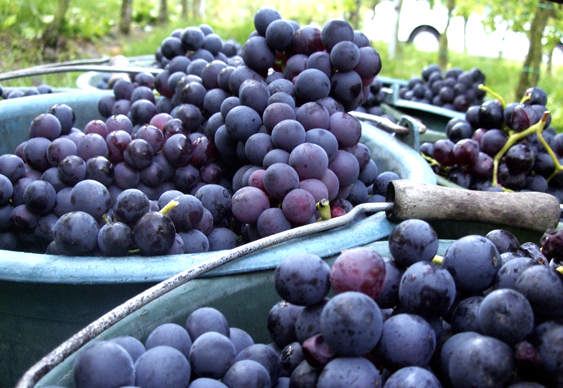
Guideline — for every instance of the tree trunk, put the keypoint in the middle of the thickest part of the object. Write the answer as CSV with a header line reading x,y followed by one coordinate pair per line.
x,y
162,12
355,15
443,44
530,74
184,9
54,29
125,23
395,37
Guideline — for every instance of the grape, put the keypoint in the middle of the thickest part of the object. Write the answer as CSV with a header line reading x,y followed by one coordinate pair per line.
x,y
543,288
211,355
130,206
242,122
76,233
298,206
279,34
302,279
272,221
222,238
358,269
412,376
115,239
248,203
506,315
240,339
464,315
473,262
206,319
426,289
266,356
103,363
482,361
412,347
132,345
154,234
351,324
352,372
281,323
287,134
312,85
45,125
187,213
412,241
39,197
247,374
194,241
162,366
170,334
346,167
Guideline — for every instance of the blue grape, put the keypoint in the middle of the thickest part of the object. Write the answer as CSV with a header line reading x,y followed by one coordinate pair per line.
x,y
506,315
103,364
353,372
76,233
351,324
473,262
162,366
482,361
406,340
302,279
211,354
247,374
411,377
170,334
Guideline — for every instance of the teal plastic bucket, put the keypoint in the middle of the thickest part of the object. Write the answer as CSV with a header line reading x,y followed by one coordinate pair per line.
x,y
245,299
434,117
45,299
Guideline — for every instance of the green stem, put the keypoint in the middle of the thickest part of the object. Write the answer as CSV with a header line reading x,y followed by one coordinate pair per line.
x,y
496,95
323,206
438,260
106,219
512,139
171,205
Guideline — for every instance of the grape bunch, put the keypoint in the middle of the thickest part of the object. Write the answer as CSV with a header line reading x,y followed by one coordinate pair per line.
x,y
455,89
228,144
486,314
500,146
9,93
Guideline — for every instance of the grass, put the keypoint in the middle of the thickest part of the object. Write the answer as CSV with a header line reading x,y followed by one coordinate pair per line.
x,y
501,74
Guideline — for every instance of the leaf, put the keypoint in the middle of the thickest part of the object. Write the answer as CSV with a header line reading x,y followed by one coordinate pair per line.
x,y
9,21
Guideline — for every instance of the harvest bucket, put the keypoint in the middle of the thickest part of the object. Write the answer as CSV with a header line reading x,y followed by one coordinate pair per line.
x,y
45,299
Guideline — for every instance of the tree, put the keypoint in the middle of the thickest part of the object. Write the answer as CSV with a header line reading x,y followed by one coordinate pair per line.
x,y
162,12
530,74
125,22
54,29
443,43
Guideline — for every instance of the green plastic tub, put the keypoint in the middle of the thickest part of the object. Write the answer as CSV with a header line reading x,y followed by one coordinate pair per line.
x,y
245,299
45,299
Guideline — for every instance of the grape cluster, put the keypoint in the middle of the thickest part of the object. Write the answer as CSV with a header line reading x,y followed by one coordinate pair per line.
x,y
487,314
9,93
499,146
245,140
455,89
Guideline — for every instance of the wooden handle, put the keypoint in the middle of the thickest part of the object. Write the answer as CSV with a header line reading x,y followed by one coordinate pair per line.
x,y
527,210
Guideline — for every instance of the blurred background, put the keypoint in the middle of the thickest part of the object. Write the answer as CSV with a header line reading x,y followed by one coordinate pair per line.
x,y
516,43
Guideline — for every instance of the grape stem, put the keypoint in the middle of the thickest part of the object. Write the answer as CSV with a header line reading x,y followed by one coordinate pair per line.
x,y
171,205
526,97
512,139
495,94
438,259
323,206
559,269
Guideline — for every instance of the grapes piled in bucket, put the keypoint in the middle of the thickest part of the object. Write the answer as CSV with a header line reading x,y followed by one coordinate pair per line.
x,y
500,146
487,313
241,143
